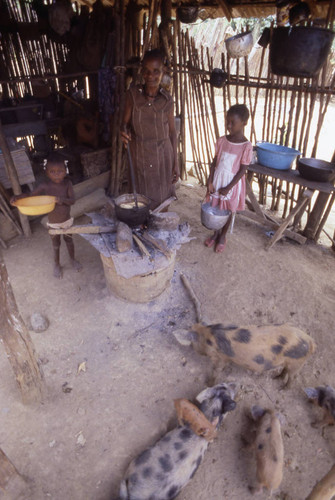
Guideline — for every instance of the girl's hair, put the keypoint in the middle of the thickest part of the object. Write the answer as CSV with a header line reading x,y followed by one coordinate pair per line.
x,y
154,54
240,110
55,157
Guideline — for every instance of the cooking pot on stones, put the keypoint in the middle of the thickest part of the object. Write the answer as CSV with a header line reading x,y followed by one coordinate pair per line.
x,y
316,170
218,78
188,14
132,215
299,51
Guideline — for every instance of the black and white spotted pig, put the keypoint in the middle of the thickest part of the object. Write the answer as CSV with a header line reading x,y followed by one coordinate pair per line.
x,y
269,449
323,396
257,348
160,472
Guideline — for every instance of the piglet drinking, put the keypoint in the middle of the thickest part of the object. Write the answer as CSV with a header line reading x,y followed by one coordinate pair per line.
x,y
160,472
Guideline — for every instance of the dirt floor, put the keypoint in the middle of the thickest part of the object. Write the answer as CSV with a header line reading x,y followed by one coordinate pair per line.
x,y
78,443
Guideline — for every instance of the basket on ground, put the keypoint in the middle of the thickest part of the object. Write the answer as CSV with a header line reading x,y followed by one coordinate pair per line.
x,y
213,217
36,205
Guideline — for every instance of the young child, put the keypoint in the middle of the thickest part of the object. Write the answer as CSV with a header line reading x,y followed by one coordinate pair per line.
x,y
226,181
61,187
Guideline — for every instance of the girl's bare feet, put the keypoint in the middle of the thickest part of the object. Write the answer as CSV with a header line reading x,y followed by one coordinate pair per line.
x,y
220,247
58,273
210,242
76,265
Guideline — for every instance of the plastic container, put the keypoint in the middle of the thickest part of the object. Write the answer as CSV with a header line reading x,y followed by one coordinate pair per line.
x,y
276,156
213,217
36,205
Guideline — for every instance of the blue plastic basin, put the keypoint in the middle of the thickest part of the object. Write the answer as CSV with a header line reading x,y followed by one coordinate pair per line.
x,y
276,156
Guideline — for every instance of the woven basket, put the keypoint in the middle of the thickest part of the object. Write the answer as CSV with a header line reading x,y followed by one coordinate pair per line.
x,y
96,162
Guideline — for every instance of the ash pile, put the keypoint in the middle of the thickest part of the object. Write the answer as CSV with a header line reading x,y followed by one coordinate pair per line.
x,y
141,249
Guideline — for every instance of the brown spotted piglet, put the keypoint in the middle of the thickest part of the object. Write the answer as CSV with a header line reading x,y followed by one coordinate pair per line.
x,y
257,348
269,449
161,471
189,414
324,396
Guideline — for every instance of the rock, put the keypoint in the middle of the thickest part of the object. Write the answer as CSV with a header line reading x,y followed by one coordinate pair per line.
x,y
166,221
124,238
39,323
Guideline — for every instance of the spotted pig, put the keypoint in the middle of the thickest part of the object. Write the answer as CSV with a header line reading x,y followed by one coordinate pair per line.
x,y
269,449
324,396
160,472
257,348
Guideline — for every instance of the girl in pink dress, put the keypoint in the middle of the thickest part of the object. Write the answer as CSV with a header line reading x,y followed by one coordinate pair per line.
x,y
226,181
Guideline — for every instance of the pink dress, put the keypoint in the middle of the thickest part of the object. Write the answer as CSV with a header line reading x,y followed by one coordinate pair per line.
x,y
229,157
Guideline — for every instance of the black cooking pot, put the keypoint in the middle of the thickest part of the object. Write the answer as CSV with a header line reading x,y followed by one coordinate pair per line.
x,y
188,14
299,51
218,78
132,216
316,170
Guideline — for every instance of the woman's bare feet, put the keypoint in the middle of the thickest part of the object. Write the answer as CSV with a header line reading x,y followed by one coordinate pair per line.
x,y
76,265
58,273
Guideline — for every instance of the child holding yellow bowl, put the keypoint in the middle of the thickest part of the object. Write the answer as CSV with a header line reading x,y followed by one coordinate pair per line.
x,y
61,187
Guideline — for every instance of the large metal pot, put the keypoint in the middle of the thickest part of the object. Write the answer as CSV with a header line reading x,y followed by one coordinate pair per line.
x,y
131,215
299,51
316,170
213,217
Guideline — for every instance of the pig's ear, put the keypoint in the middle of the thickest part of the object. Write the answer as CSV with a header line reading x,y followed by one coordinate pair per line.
x,y
311,392
215,421
185,337
228,405
257,412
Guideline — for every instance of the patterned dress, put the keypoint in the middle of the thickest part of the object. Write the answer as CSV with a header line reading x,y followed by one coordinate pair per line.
x,y
230,156
150,146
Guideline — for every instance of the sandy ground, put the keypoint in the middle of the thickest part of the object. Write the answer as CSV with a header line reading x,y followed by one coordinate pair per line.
x,y
77,444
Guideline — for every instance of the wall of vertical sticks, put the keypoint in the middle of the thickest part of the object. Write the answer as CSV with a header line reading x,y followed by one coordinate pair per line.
x,y
290,111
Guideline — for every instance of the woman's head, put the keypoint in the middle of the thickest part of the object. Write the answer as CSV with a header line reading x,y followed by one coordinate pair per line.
x,y
237,118
55,167
152,68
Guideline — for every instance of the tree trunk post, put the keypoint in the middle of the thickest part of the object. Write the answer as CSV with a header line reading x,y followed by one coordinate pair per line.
x,y
18,344
13,177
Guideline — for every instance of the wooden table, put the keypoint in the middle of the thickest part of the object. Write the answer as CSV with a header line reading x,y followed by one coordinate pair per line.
x,y
259,215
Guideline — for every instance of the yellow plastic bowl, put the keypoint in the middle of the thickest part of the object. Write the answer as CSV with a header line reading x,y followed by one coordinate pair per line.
x,y
36,205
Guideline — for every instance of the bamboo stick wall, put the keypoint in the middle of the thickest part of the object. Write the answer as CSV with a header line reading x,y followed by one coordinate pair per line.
x,y
282,110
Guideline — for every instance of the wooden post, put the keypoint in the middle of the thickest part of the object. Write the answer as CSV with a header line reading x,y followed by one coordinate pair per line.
x,y
18,344
13,177
11,482
315,215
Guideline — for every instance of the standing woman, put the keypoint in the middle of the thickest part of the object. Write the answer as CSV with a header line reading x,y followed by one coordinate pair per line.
x,y
148,125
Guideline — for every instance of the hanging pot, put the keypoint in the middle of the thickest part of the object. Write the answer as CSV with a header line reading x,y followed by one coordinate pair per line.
x,y
218,78
240,45
299,51
264,38
188,14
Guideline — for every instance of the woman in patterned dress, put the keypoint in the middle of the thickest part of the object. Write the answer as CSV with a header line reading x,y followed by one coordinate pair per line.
x,y
148,125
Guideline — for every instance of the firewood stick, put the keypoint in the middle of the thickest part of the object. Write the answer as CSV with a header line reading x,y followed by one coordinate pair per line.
x,y
85,229
141,246
160,245
194,298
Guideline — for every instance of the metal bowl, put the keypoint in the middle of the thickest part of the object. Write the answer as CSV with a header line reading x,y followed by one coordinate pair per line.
x,y
316,170
240,45
213,217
